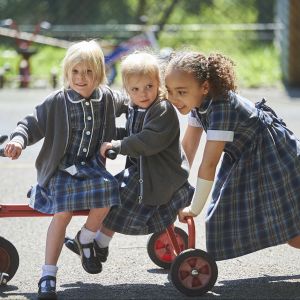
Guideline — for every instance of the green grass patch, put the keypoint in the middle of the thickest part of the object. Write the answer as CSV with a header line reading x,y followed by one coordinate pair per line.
x,y
257,65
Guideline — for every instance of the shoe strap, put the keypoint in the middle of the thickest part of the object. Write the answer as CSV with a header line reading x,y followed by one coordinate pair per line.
x,y
46,278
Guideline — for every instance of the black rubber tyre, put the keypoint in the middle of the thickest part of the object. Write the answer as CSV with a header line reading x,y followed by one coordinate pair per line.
x,y
194,272
9,258
161,250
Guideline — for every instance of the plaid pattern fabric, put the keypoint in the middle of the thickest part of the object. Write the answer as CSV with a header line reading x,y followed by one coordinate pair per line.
x,y
255,202
92,186
132,217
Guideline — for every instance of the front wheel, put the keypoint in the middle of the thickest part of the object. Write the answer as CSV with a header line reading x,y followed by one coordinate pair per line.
x,y
194,272
161,250
9,259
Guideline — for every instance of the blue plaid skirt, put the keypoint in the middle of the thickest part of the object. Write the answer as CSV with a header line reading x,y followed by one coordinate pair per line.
x,y
91,187
135,218
256,198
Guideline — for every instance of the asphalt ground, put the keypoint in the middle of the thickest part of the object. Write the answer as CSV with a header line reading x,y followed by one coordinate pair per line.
x,y
272,273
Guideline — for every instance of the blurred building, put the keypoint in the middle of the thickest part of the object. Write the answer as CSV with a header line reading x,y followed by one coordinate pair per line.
x,y
288,38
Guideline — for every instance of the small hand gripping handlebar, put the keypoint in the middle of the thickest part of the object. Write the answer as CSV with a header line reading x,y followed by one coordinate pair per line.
x,y
112,154
3,138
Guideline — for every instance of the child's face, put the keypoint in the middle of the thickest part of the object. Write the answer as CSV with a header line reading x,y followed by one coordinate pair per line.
x,y
184,91
82,80
143,90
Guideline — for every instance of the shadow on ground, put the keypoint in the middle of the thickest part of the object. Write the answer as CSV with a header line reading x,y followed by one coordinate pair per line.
x,y
267,287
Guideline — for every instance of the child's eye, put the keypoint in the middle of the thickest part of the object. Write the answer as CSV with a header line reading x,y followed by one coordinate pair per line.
x,y
134,89
74,71
89,71
181,93
149,86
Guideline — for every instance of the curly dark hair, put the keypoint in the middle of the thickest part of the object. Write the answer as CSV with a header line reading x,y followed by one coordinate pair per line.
x,y
217,69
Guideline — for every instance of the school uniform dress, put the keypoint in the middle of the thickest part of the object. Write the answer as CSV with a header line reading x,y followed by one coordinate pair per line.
x,y
256,198
133,217
81,180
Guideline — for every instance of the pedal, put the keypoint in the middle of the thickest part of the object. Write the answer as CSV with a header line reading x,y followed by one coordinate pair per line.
x,y
4,277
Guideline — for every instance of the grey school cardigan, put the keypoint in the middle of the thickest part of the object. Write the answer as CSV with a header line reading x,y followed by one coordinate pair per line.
x,y
50,121
163,168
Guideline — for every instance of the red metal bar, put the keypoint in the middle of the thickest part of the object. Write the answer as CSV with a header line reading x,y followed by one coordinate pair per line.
x,y
172,237
23,210
192,232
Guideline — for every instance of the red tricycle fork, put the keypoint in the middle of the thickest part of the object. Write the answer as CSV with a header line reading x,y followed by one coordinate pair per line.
x,y
191,236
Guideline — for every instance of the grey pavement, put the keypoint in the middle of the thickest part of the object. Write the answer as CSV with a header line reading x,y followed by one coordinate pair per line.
x,y
272,273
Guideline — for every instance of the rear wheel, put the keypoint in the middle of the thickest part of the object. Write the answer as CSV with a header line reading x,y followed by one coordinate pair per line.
x,y
9,258
161,250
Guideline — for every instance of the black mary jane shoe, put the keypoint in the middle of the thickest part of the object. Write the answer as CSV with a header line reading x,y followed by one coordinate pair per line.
x,y
101,253
90,264
47,292
71,245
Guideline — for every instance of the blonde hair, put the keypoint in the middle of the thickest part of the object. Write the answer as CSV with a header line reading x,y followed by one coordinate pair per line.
x,y
141,63
88,53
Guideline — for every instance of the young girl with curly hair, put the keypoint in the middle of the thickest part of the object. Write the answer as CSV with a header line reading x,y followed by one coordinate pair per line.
x,y
255,200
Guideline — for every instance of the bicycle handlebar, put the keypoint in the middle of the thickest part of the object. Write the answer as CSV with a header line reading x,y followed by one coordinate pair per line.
x,y
3,138
111,154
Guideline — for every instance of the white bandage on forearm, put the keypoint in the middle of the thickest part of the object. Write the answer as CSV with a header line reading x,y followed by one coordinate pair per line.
x,y
203,188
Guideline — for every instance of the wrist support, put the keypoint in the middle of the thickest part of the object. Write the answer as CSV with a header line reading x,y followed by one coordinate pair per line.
x,y
203,188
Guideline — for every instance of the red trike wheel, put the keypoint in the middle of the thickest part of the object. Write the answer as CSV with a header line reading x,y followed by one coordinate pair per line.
x,y
9,258
161,250
194,272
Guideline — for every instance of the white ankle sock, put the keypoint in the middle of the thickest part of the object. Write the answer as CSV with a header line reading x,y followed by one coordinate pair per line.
x,y
102,239
49,270
86,237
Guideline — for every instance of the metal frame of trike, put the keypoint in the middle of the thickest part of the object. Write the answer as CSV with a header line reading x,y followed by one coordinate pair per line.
x,y
201,268
192,271
24,210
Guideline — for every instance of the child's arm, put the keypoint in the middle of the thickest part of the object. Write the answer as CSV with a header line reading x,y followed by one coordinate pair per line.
x,y
160,129
211,156
121,101
190,142
13,150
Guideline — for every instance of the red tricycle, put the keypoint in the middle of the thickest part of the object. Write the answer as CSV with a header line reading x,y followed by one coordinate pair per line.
x,y
192,271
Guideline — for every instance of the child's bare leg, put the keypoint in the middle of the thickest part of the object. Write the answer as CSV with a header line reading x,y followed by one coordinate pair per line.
x,y
55,236
295,242
55,239
90,228
107,231
95,218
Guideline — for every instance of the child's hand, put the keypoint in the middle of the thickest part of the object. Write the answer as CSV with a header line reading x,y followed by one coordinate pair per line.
x,y
13,150
104,147
183,213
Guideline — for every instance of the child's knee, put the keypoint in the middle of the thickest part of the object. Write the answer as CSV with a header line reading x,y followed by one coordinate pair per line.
x,y
63,217
295,242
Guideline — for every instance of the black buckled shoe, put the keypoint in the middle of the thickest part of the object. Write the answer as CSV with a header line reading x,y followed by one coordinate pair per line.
x,y
71,245
47,292
101,253
90,264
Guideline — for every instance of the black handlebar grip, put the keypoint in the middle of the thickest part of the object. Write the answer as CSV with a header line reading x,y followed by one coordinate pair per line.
x,y
3,138
2,152
111,154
